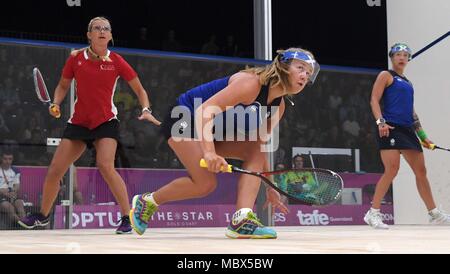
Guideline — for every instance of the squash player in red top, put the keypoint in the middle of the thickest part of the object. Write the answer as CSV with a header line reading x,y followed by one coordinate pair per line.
x,y
94,121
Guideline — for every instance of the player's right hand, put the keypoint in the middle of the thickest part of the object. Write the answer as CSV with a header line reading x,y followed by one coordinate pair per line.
x,y
149,117
215,162
54,110
383,130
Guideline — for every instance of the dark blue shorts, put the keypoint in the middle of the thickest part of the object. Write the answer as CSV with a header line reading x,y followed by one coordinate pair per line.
x,y
400,137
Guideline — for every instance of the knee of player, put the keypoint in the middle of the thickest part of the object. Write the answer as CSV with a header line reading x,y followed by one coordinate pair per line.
x,y
55,171
420,171
205,188
105,166
392,169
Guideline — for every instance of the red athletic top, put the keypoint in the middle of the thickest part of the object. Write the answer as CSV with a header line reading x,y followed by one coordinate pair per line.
x,y
95,86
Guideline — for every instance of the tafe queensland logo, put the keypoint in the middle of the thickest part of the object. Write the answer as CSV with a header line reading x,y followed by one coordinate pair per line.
x,y
314,218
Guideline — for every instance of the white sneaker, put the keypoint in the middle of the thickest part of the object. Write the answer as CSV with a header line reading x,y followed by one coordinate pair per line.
x,y
374,219
439,218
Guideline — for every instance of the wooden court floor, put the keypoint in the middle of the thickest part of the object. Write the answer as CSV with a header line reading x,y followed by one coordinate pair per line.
x,y
316,239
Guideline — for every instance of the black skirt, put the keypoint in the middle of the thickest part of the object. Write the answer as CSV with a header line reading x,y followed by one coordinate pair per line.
x,y
400,137
108,129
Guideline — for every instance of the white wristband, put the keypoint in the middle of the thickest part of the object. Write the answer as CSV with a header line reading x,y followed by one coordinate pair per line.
x,y
147,109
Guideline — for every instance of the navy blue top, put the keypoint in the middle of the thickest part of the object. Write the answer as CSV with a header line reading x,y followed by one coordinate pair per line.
x,y
203,92
398,101
253,112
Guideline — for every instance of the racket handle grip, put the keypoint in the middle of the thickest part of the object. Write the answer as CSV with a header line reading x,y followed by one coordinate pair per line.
x,y
228,169
55,110
430,146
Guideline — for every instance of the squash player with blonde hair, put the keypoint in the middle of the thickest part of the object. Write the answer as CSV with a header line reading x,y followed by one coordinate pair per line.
x,y
259,92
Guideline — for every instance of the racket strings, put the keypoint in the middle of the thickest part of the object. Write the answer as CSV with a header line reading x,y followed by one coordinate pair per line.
x,y
42,92
312,187
329,187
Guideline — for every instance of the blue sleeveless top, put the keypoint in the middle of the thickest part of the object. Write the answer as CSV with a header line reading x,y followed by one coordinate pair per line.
x,y
253,114
398,101
203,92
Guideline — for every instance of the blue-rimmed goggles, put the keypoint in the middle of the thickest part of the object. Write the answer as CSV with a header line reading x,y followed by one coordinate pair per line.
x,y
302,56
400,47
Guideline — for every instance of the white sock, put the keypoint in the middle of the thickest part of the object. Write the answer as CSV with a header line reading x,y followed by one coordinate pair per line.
x,y
434,211
374,210
149,198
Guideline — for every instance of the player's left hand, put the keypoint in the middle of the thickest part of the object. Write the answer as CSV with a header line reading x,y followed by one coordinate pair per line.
x,y
149,117
427,143
274,198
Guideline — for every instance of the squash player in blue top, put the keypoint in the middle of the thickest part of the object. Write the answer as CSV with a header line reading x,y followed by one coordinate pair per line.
x,y
399,131
238,106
